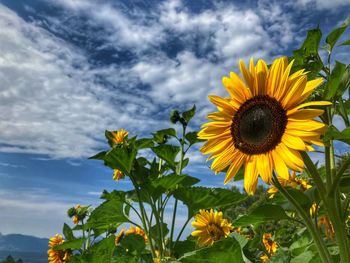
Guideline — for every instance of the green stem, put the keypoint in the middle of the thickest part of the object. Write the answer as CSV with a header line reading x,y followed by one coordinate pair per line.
x,y
321,247
338,176
173,223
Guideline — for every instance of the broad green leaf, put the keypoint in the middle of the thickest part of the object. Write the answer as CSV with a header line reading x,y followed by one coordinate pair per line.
x,y
205,198
334,80
188,115
121,158
300,245
333,134
101,251
226,250
144,143
192,138
133,243
305,257
99,156
182,247
281,256
162,136
110,214
300,197
344,83
67,232
261,214
306,57
155,231
333,37
74,244
167,152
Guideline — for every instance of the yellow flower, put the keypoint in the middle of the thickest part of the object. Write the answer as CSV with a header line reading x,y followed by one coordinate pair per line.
x,y
263,125
210,227
264,258
118,136
292,182
270,245
75,220
77,206
117,175
57,256
313,209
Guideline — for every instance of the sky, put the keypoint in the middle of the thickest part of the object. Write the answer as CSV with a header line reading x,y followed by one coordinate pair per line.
x,y
70,69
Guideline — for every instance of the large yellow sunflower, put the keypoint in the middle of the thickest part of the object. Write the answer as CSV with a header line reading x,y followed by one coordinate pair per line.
x,y
263,124
210,226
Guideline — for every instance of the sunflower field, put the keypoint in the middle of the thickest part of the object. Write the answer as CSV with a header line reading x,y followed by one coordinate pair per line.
x,y
273,116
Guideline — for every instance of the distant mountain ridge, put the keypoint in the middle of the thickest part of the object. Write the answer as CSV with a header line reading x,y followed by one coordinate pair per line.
x,y
23,243
30,249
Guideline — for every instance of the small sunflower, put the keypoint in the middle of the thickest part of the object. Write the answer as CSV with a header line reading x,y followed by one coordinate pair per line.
x,y
293,182
210,226
118,136
75,220
117,175
57,256
270,245
264,258
120,236
263,124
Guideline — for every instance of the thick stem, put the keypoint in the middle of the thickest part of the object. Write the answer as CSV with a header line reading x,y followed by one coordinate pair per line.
x,y
321,247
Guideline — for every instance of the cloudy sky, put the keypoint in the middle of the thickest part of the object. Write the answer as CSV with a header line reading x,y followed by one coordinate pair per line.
x,y
70,69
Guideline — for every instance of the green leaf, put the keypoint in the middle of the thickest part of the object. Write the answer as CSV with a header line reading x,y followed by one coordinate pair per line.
x,y
262,214
134,243
155,231
101,251
99,156
332,133
304,257
74,244
345,43
334,80
192,138
306,57
144,143
182,247
205,198
345,184
67,232
300,197
167,152
108,215
281,256
161,136
333,37
187,115
226,250
121,158
344,83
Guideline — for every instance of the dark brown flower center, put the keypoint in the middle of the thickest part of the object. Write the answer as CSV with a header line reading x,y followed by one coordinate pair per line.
x,y
258,125
215,232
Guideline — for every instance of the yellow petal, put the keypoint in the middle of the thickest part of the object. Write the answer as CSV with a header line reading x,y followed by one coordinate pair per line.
x,y
304,114
291,158
250,175
279,165
293,142
234,167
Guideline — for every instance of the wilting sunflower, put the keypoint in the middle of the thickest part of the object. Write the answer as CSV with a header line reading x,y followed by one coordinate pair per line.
x,y
131,230
57,256
270,245
263,124
117,175
293,182
210,226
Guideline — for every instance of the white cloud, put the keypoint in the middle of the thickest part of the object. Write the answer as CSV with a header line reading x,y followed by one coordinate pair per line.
x,y
323,4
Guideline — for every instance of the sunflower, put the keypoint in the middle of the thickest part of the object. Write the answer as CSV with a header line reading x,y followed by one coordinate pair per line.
x,y
210,226
75,220
264,258
57,256
120,236
118,136
270,245
293,182
263,124
131,230
117,175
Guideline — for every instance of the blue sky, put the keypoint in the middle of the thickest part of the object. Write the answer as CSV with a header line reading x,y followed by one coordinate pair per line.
x,y
71,69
